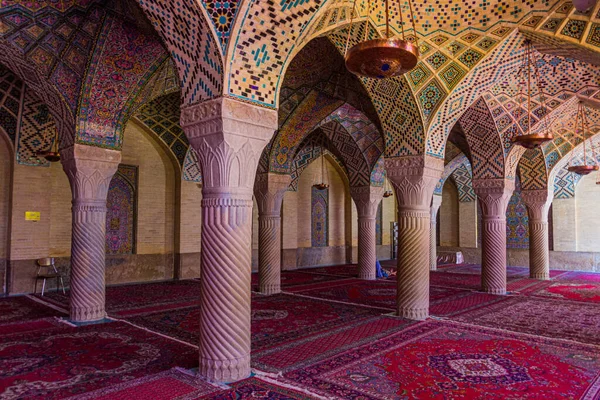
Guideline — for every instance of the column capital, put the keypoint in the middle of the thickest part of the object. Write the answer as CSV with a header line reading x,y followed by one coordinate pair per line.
x,y
493,195
537,202
229,136
414,179
269,189
90,170
367,199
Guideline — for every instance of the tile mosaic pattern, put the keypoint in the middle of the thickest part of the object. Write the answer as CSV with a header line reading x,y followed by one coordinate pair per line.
x,y
37,131
11,100
222,15
517,221
121,211
532,170
319,215
311,150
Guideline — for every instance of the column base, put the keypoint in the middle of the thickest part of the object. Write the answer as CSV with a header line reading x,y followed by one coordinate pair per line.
x,y
80,314
417,314
367,277
269,289
544,276
225,371
433,268
492,290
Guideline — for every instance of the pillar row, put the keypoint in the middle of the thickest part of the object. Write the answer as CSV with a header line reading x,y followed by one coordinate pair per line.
x,y
367,199
229,137
269,189
435,206
90,170
493,195
414,179
538,203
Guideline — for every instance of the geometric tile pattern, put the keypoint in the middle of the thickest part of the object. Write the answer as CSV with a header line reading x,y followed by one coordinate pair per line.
x,y
191,167
532,170
463,180
484,141
319,206
37,131
449,168
191,42
222,14
121,211
311,149
11,99
161,116
517,221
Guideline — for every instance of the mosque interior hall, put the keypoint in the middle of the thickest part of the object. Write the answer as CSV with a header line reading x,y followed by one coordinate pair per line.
x,y
299,199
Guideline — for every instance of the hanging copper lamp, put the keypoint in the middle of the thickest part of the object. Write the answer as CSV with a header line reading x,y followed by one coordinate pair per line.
x,y
585,168
532,140
387,190
382,58
52,154
322,185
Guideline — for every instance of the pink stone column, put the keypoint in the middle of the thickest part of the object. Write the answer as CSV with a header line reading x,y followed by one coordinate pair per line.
x,y
493,195
269,189
228,136
90,170
538,203
414,179
435,206
367,199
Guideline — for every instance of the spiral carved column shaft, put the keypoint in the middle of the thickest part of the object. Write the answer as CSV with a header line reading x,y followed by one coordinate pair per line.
x,y
90,171
538,203
493,195
225,287
435,206
367,199
414,179
228,137
269,190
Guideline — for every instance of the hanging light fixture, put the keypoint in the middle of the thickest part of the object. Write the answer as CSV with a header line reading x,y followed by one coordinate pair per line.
x,y
387,190
322,185
529,67
52,154
382,58
585,168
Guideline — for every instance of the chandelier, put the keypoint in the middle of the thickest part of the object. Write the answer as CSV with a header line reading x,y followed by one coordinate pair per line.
x,y
528,73
585,168
382,58
322,185
52,154
387,190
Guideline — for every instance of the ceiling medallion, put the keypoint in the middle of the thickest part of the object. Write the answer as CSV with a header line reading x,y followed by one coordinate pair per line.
x,y
52,154
528,68
385,57
585,168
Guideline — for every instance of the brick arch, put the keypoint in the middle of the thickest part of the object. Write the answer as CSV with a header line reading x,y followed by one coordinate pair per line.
x,y
484,141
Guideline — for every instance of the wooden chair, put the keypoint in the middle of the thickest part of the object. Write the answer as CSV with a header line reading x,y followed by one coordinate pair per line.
x,y
47,270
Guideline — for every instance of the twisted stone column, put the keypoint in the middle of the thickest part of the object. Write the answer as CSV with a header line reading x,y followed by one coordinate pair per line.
x,y
414,179
493,195
229,137
538,202
90,170
367,199
435,206
269,189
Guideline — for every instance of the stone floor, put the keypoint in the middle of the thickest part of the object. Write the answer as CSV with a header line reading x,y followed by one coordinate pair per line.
x,y
329,335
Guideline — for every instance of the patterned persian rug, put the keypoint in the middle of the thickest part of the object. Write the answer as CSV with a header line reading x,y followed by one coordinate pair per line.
x,y
538,316
21,308
275,320
167,385
465,281
295,278
445,360
255,388
565,290
17,328
64,362
125,300
582,277
463,302
349,270
306,351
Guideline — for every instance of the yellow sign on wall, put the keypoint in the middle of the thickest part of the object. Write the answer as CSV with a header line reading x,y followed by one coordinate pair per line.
x,y
32,215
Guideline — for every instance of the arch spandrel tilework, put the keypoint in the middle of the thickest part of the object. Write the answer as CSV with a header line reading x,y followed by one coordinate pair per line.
x,y
484,141
37,131
191,170
449,168
463,180
12,91
532,170
122,63
188,35
311,150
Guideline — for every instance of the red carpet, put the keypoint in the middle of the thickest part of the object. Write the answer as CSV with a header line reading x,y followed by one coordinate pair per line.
x,y
349,270
255,388
21,308
577,276
17,328
295,278
275,320
576,291
134,299
546,317
58,363
466,281
306,351
463,302
167,385
443,360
